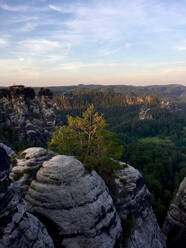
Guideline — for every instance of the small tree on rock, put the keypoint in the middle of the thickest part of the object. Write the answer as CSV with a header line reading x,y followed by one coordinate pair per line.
x,y
88,139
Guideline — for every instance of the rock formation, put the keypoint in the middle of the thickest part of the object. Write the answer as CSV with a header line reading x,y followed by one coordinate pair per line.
x,y
32,116
27,164
18,228
8,150
132,201
175,223
75,205
83,98
77,208
145,113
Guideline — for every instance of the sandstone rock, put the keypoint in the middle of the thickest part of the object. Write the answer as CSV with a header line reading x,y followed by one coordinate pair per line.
x,y
75,205
17,227
145,113
132,201
27,164
175,223
8,150
32,116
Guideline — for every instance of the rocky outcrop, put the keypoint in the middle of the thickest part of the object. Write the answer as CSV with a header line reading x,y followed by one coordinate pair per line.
x,y
32,116
18,228
132,201
175,223
27,164
8,150
75,205
171,106
145,113
81,99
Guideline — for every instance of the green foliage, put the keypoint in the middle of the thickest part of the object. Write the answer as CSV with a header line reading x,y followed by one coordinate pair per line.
x,y
88,139
155,147
8,136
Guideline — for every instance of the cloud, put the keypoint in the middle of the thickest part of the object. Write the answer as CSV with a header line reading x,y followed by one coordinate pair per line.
x,y
13,8
111,19
181,47
27,27
3,42
60,9
21,59
41,46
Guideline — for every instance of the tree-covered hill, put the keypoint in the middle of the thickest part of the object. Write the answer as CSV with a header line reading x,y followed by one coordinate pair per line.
x,y
171,91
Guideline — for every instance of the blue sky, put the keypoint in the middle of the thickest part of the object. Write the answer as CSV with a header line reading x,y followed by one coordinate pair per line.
x,y
53,42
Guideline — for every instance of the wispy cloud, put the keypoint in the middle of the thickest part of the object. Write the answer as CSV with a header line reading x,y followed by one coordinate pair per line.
x,y
181,47
106,36
4,42
40,46
12,8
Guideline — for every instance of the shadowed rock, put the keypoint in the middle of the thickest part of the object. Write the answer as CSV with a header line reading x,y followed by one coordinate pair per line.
x,y
8,150
175,223
33,118
132,201
18,229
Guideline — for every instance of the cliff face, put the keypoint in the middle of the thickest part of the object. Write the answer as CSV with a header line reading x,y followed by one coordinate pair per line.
x,y
78,206
18,228
132,201
175,223
82,99
32,116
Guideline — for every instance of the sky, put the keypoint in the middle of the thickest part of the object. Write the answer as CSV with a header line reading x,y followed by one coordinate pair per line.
x,y
67,42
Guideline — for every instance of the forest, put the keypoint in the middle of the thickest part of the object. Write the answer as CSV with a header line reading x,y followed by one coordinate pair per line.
x,y
155,146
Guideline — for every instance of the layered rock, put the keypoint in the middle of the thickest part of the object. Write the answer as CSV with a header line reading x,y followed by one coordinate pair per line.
x,y
132,201
27,164
32,116
175,223
18,228
75,205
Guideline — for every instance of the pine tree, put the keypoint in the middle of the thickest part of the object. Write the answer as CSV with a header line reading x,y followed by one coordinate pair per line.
x,y
88,139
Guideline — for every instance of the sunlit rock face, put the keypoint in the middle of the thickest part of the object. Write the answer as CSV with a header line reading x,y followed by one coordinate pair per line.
x,y
18,228
175,223
75,205
32,116
132,201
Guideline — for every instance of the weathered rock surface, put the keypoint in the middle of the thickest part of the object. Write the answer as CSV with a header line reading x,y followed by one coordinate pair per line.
x,y
32,116
175,223
132,201
18,228
75,205
27,164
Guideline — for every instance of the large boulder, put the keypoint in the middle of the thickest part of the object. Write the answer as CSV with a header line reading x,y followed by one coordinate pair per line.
x,y
18,228
75,205
132,201
175,223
